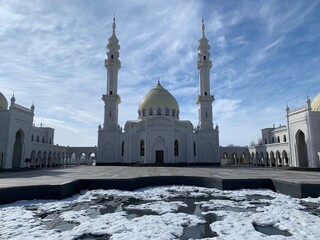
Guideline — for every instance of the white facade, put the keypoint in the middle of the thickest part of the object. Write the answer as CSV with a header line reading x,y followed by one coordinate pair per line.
x,y
158,135
294,145
24,145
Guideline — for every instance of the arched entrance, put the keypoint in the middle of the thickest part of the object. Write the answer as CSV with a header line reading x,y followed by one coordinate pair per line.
x,y
17,149
301,149
159,148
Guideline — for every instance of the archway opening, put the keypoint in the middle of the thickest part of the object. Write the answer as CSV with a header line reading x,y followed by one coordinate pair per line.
x,y
302,149
17,149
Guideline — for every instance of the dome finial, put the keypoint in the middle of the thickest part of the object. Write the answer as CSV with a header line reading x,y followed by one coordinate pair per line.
x,y
158,80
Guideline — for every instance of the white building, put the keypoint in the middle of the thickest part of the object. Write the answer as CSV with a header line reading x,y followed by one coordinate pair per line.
x,y
294,145
22,144
158,135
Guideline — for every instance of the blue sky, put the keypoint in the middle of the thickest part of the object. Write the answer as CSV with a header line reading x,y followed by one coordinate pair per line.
x,y
266,54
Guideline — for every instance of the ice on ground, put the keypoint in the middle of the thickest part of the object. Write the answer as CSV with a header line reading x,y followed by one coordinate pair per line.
x,y
159,206
103,212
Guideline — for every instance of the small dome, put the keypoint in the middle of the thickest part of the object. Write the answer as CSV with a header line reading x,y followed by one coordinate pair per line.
x,y
159,98
315,104
3,102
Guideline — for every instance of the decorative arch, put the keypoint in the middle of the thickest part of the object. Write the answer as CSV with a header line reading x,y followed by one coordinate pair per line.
x,y
278,158
272,159
284,138
142,148
159,149
285,158
18,149
208,152
176,148
302,151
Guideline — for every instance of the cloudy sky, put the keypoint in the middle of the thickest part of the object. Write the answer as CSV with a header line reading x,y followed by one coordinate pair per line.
x,y
266,54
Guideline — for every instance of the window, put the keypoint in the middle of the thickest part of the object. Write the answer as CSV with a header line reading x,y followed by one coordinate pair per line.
x,y
142,148
38,138
204,57
194,149
284,138
122,149
150,112
272,139
205,93
32,138
159,111
42,139
176,148
143,112
110,92
173,112
265,141
167,112
111,56
50,141
278,139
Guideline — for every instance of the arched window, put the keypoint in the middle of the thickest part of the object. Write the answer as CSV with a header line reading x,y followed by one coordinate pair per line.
x,y
194,149
159,111
265,141
272,139
176,148
278,139
42,139
38,138
122,149
50,141
284,138
167,112
150,111
173,112
32,138
143,112
142,148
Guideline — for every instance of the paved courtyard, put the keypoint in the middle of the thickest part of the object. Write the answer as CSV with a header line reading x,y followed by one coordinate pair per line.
x,y
64,175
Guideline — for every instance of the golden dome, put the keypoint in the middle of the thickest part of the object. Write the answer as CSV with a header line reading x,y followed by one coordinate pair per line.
x,y
3,102
160,100
315,104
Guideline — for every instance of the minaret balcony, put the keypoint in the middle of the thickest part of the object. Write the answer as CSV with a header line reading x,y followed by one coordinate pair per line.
x,y
205,99
111,98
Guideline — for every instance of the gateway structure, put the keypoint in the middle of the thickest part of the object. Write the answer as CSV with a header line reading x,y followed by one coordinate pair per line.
x,y
158,135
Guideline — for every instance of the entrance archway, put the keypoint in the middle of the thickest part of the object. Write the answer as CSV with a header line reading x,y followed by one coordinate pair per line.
x,y
17,149
302,149
159,148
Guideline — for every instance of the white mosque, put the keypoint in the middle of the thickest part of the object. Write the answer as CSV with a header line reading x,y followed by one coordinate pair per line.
x,y
158,136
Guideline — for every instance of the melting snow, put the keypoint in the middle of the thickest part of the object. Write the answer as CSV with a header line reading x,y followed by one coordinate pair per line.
x,y
102,212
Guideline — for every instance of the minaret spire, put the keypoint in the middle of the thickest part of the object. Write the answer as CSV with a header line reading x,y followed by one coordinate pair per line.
x,y
112,64
204,65
203,27
114,25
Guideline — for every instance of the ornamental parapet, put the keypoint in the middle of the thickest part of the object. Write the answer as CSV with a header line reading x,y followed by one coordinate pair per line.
x,y
203,99
19,107
207,63
111,98
112,63
298,109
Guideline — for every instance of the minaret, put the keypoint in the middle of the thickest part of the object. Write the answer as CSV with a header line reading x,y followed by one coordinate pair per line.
x,y
111,98
204,100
